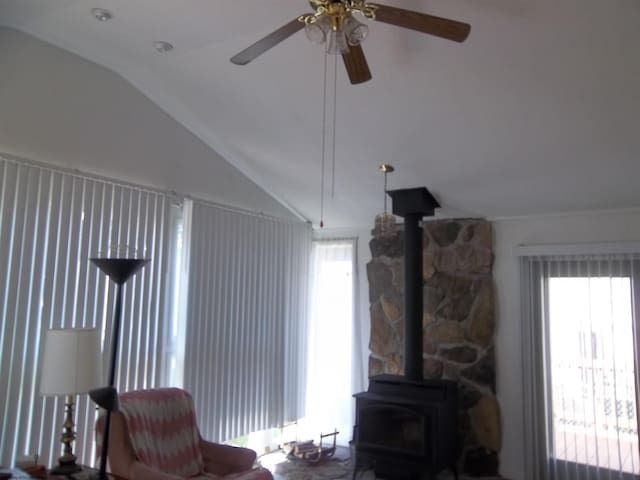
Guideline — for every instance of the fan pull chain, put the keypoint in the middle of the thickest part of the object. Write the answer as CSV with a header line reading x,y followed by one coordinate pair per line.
x,y
324,134
325,115
335,104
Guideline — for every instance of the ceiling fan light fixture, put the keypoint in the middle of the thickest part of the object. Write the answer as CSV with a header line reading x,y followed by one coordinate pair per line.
x,y
355,31
346,33
317,29
314,33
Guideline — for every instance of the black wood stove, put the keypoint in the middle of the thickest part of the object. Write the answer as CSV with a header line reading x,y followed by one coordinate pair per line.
x,y
406,426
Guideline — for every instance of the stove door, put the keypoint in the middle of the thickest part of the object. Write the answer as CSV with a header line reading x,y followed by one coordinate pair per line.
x,y
394,428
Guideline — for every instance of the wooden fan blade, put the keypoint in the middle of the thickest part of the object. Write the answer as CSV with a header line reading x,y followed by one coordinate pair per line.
x,y
422,22
356,64
266,43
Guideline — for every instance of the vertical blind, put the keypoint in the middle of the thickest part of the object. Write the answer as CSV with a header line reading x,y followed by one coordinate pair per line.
x,y
51,223
246,313
580,358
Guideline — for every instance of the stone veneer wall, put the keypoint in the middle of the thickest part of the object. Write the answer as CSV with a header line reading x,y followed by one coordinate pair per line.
x,y
458,325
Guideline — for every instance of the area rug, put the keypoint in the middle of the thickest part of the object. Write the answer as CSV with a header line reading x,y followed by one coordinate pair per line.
x,y
337,467
286,468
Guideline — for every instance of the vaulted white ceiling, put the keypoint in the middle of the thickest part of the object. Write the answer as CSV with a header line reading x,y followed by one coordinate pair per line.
x,y
535,113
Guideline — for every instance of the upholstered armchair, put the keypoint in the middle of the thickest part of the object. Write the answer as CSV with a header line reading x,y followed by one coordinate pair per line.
x,y
154,436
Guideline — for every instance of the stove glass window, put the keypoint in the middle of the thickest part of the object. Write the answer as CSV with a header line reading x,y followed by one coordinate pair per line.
x,y
392,427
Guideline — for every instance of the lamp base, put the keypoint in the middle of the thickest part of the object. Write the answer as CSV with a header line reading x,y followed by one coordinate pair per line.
x,y
67,462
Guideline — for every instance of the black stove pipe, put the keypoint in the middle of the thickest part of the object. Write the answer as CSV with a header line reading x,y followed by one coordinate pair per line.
x,y
413,297
413,204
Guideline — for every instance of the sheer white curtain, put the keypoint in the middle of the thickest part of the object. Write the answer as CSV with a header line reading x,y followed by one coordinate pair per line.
x,y
329,403
580,359
51,222
248,282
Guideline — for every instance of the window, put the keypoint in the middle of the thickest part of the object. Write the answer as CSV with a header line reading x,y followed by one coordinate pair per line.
x,y
329,403
580,372
588,348
51,222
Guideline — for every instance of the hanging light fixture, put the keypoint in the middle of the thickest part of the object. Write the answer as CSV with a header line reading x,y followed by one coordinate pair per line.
x,y
334,25
385,222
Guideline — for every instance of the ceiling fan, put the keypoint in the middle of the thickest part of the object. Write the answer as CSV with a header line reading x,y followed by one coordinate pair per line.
x,y
335,25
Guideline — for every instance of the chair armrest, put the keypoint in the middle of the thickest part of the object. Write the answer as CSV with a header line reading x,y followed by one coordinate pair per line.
x,y
140,471
222,459
120,456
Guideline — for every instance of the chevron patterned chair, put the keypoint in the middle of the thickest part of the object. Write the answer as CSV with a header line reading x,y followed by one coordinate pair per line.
x,y
154,436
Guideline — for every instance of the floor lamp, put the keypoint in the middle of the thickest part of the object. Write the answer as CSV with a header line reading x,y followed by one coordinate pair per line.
x,y
119,270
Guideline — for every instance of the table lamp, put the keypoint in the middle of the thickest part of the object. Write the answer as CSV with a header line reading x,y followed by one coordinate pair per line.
x,y
71,364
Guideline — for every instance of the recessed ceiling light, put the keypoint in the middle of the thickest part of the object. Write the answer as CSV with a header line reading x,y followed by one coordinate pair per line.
x,y
162,46
101,14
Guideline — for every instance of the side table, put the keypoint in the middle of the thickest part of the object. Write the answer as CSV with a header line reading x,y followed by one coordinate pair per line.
x,y
87,473
12,473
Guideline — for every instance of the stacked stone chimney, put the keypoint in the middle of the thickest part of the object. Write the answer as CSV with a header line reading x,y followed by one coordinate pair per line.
x,y
458,325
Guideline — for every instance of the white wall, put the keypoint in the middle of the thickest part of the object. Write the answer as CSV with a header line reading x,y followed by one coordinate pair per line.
x,y
596,227
58,108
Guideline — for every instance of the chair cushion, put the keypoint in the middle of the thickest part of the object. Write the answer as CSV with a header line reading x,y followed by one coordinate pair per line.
x,y
163,430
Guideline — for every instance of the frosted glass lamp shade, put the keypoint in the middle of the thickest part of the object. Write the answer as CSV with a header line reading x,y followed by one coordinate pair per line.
x,y
337,44
317,31
355,31
71,362
385,224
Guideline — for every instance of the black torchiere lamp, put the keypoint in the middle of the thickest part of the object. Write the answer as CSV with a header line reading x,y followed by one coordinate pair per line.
x,y
119,270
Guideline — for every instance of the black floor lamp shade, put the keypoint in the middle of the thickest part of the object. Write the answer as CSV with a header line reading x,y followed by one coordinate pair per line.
x,y
119,269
